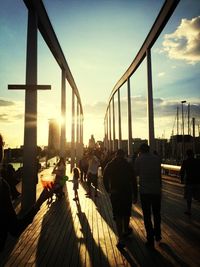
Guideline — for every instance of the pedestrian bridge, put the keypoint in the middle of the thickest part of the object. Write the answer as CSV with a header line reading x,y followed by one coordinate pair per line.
x,y
38,20
67,233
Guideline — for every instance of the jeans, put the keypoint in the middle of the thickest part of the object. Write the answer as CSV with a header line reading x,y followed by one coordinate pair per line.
x,y
151,203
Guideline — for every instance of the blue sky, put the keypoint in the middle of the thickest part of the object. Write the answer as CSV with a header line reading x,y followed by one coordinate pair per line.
x,y
100,39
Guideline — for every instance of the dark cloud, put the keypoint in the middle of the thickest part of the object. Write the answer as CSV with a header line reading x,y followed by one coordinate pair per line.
x,y
4,103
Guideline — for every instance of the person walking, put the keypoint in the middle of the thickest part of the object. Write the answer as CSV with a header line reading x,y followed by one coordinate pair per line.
x,y
59,170
75,183
189,174
92,174
120,182
148,168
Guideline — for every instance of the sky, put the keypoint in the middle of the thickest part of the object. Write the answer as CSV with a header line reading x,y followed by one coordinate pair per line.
x,y
100,39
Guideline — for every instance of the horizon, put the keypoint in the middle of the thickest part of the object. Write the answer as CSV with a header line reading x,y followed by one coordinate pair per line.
x,y
94,39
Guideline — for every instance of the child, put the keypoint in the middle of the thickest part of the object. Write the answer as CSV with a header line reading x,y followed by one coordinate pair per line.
x,y
75,183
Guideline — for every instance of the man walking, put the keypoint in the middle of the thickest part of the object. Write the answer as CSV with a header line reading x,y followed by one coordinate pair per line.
x,y
148,168
120,182
190,177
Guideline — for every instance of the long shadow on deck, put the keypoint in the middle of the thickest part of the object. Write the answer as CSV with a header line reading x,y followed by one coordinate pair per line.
x,y
60,244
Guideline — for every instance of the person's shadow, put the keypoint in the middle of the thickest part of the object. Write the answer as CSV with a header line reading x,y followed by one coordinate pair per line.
x,y
88,239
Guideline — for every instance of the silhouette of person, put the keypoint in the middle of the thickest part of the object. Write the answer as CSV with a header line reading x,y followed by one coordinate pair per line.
x,y
9,222
148,168
75,183
83,166
190,177
8,173
92,174
59,170
120,182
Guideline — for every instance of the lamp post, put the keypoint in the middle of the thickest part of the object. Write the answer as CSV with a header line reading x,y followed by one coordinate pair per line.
x,y
183,141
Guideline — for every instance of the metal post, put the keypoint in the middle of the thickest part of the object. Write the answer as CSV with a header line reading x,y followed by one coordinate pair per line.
x,y
183,134
77,133
189,119
63,116
30,172
73,133
193,134
113,110
119,120
130,146
110,134
150,102
106,121
177,120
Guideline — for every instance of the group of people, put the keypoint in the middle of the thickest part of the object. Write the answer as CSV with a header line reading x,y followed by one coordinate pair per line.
x,y
10,222
121,179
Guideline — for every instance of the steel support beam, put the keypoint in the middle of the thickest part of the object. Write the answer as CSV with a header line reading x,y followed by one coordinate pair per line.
x,y
63,115
119,120
150,102
130,141
30,172
113,113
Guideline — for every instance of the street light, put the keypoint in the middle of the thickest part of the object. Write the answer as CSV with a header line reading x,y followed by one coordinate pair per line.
x,y
183,141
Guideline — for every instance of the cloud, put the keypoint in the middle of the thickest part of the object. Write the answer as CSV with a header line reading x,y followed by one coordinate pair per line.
x,y
4,103
10,111
184,43
3,117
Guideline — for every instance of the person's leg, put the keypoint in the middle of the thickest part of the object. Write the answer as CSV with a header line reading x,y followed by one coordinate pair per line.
x,y
119,225
127,229
146,209
81,178
89,184
96,184
156,206
188,196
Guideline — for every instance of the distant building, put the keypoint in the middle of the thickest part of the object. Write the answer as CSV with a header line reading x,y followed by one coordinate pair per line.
x,y
92,143
54,137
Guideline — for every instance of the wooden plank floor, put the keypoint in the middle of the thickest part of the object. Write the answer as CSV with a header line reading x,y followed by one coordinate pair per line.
x,y
84,234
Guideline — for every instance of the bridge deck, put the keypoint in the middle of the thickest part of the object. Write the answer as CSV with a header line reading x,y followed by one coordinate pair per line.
x,y
68,234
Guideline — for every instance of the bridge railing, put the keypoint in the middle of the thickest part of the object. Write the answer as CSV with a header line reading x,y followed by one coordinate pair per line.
x,y
171,170
144,52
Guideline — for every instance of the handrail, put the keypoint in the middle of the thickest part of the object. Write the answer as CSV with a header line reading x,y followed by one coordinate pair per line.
x,y
170,167
159,24
46,29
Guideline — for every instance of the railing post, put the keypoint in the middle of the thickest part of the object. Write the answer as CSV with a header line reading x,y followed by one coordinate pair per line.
x,y
113,110
119,120
130,146
73,133
106,133
150,102
77,134
30,172
110,134
63,116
